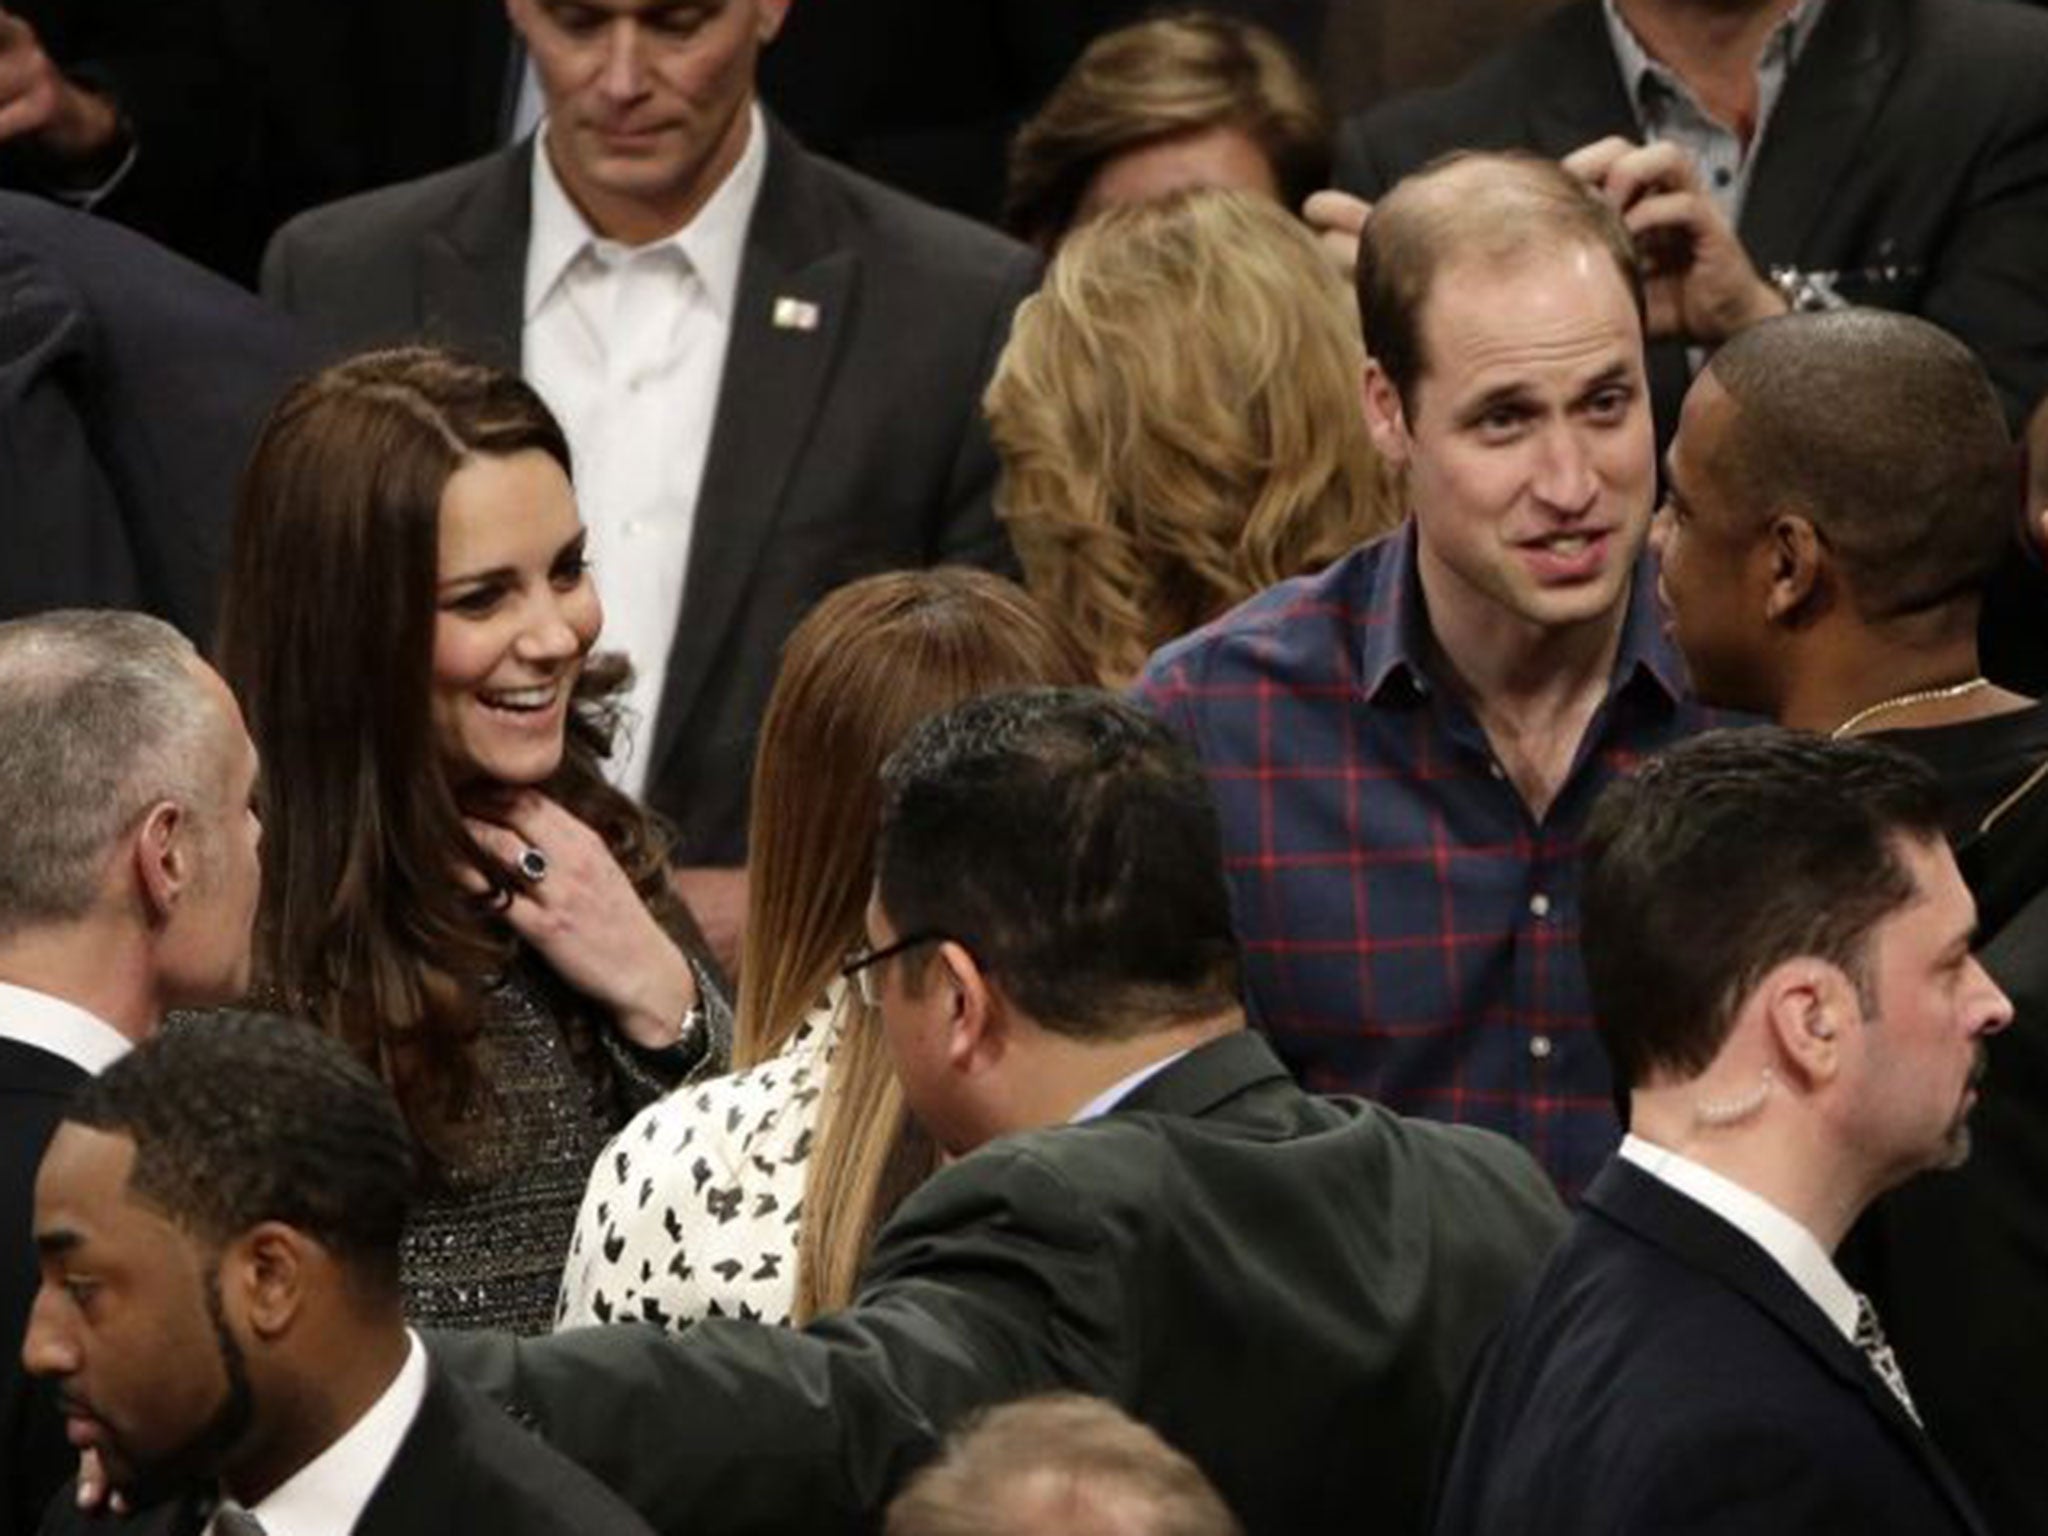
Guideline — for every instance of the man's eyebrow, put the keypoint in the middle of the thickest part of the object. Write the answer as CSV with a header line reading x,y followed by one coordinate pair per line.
x,y
1616,372
58,1242
1493,399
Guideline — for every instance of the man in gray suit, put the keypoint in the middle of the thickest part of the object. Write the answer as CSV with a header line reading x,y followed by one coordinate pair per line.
x,y
770,369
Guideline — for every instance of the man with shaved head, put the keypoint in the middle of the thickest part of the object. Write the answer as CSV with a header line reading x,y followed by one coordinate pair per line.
x,y
1404,747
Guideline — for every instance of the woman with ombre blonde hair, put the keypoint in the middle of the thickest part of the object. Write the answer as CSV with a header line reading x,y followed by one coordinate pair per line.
x,y
1177,419
757,1195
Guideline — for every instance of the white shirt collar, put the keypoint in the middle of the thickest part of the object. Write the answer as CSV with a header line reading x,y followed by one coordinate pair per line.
x,y
327,1495
714,242
1797,1251
63,1029
1780,51
1123,1088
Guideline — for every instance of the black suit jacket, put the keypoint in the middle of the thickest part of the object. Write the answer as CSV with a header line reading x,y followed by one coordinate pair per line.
x,y
132,387
34,1457
852,448
1908,153
1288,1288
1666,1375
463,1469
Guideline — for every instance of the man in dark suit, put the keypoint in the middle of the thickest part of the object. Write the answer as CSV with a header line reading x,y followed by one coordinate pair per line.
x,y
1779,946
128,879
1840,485
1142,1205
1836,141
770,369
132,387
217,1222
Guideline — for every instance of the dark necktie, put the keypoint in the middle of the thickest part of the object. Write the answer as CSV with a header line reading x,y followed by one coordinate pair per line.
x,y
1870,1339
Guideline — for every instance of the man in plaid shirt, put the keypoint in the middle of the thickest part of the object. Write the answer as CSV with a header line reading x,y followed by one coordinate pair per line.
x,y
1404,747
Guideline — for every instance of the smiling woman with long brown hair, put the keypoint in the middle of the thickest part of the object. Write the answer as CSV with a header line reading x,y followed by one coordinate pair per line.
x,y
450,885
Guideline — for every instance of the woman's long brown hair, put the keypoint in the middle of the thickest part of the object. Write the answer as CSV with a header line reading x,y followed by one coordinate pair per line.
x,y
871,661
326,637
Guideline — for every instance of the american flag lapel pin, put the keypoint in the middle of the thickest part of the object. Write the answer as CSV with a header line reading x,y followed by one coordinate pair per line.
x,y
792,314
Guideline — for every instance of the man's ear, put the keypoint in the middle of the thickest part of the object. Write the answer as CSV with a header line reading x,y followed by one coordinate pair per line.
x,y
162,855
1386,419
1798,569
269,1269
975,1032
1810,1005
768,19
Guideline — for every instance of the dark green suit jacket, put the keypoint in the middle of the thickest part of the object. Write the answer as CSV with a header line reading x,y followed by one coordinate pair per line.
x,y
1288,1288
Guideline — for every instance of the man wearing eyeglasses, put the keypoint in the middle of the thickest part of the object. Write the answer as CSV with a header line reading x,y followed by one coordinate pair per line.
x,y
1289,1289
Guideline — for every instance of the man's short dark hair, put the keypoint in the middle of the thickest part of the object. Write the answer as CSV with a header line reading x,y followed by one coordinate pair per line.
x,y
1067,839
1498,208
1885,433
1060,1456
242,1118
1730,854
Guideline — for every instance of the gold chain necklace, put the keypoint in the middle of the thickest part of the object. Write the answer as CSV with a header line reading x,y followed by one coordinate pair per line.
x,y
1905,700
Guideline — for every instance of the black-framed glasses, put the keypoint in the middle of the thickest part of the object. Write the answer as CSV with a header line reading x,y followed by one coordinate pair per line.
x,y
860,966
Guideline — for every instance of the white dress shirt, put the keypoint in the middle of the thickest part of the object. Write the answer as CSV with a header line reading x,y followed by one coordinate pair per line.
x,y
1797,1251
1123,1088
327,1495
63,1029
627,345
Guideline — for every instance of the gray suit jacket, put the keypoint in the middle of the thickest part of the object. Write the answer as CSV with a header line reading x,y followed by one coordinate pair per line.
x,y
1288,1288
852,448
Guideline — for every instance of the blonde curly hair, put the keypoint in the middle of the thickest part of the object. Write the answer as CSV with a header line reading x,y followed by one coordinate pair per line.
x,y
1177,416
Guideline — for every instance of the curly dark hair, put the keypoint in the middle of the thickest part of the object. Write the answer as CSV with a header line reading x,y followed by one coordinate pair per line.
x,y
240,1118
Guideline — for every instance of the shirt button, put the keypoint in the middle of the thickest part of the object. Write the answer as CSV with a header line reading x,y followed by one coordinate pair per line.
x,y
1496,770
1539,1047
1722,176
1539,905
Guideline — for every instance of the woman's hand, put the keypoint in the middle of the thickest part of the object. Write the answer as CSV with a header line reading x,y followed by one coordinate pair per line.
x,y
583,915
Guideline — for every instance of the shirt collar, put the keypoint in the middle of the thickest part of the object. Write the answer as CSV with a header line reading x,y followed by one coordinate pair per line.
x,y
1122,1089
1641,72
329,1493
1795,1250
63,1029
1394,645
714,242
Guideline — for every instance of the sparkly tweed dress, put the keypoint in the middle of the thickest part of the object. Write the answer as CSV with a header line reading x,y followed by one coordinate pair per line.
x,y
486,1242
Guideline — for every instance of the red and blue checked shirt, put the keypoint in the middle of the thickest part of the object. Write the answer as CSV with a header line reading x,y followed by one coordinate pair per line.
x,y
1410,931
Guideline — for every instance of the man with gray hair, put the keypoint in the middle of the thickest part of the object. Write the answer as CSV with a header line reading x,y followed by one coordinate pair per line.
x,y
128,880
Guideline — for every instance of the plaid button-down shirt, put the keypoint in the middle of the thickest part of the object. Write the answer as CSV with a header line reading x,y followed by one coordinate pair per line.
x,y
1410,929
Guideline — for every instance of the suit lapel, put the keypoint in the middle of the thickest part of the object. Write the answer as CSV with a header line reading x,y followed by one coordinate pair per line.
x,y
414,1496
1578,95
473,270
777,362
1660,1215
1818,126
